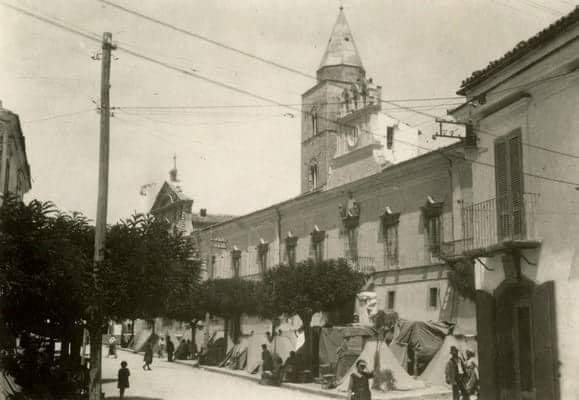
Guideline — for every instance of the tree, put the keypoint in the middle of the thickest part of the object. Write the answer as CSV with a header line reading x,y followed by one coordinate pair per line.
x,y
307,288
230,299
49,284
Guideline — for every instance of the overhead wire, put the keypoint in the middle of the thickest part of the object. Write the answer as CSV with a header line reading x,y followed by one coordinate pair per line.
x,y
244,91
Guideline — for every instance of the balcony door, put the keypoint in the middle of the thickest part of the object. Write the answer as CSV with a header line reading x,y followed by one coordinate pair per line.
x,y
509,187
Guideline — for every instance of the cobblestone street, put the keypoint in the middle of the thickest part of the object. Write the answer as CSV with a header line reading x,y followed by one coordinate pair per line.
x,y
172,381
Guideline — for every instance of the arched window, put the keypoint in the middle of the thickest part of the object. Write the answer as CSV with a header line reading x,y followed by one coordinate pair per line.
x,y
313,178
314,120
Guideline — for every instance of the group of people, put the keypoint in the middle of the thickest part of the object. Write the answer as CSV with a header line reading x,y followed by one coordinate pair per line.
x,y
274,371
462,374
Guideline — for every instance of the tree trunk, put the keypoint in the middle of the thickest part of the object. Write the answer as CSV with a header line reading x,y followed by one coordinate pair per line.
x,y
75,345
306,320
96,347
193,334
64,343
236,329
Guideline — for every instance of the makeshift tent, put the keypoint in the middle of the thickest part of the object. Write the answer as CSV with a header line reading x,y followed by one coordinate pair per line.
x,y
254,343
379,358
236,358
434,373
283,344
339,347
139,340
8,387
425,338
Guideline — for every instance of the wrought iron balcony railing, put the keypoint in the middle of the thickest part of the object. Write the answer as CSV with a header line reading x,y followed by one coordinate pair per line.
x,y
494,224
364,265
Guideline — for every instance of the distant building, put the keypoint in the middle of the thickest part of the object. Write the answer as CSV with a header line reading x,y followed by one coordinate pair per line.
x,y
174,206
14,168
521,229
370,195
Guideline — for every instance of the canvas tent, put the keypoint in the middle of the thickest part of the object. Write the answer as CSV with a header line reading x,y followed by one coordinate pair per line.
x,y
139,340
254,343
339,347
379,358
8,387
425,338
236,358
283,344
434,373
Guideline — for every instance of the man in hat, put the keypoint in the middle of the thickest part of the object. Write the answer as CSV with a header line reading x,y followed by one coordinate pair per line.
x,y
456,375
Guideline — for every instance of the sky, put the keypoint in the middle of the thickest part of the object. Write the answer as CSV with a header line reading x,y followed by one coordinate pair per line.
x,y
230,160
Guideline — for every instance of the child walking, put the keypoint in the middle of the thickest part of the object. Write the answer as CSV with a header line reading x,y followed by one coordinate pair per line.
x,y
123,381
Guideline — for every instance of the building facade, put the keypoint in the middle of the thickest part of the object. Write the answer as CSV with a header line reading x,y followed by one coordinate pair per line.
x,y
371,193
522,227
14,168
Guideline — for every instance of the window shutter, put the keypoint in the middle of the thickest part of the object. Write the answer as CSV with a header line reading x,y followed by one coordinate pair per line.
x,y
516,184
485,322
545,342
501,179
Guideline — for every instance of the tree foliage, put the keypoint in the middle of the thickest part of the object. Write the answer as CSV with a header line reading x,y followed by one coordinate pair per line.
x,y
230,298
309,287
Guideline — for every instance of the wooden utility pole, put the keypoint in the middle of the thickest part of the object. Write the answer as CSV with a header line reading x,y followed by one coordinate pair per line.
x,y
101,218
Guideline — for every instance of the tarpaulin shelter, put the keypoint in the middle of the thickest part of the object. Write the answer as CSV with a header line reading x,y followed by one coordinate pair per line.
x,y
139,340
424,339
254,343
283,344
339,347
8,387
434,373
236,358
379,358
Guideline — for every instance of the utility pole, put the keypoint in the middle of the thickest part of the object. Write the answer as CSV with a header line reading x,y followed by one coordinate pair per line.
x,y
101,218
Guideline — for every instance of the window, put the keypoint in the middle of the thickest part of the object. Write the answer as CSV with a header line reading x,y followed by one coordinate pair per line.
x,y
314,120
391,245
433,297
432,213
434,231
262,251
390,223
212,261
290,247
351,244
7,178
235,262
318,238
389,137
509,186
314,176
390,300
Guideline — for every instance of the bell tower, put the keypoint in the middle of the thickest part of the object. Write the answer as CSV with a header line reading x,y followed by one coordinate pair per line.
x,y
340,68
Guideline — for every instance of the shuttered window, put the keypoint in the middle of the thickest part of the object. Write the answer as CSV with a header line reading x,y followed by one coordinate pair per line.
x,y
509,186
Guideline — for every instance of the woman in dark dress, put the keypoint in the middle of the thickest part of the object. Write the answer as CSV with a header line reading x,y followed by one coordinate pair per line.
x,y
148,358
359,386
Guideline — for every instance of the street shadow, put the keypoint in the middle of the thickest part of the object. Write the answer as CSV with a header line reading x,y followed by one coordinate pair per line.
x,y
108,380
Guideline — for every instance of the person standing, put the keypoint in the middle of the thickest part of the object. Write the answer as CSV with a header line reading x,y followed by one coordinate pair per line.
x,y
456,374
112,347
359,385
170,349
266,359
123,379
148,358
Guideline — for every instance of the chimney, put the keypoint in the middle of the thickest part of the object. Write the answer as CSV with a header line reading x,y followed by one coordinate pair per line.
x,y
203,212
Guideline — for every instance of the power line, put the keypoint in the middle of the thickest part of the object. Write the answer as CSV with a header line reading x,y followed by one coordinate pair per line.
x,y
57,116
206,39
246,92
